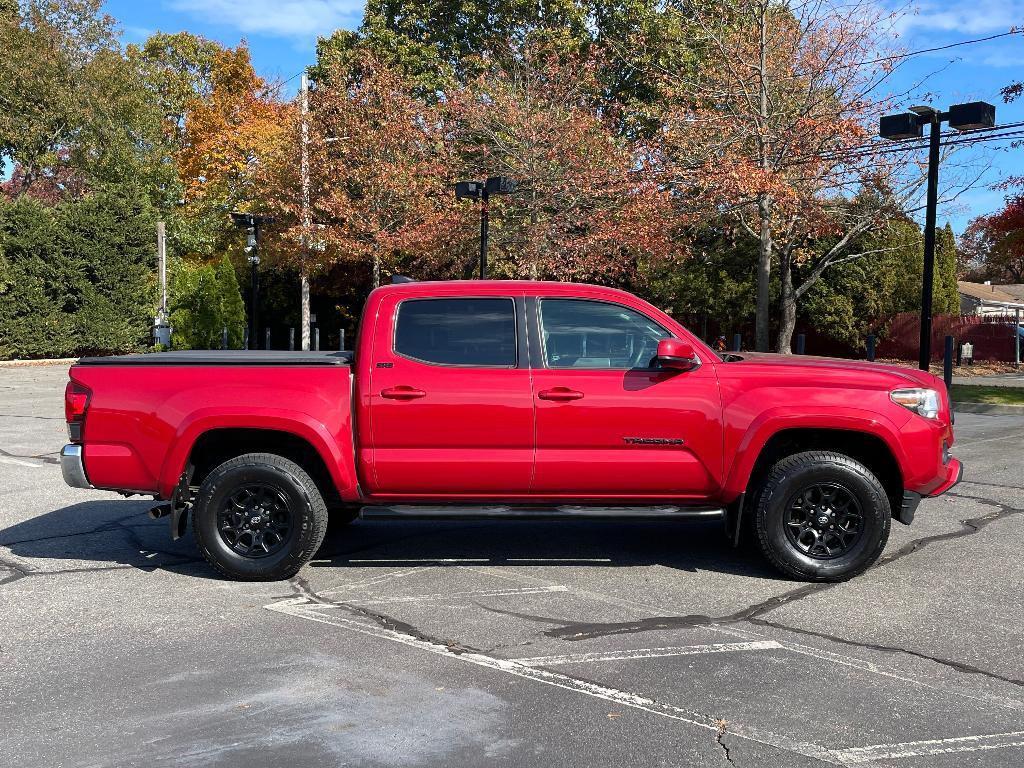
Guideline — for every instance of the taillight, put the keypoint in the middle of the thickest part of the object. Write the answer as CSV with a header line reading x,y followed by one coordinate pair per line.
x,y
76,402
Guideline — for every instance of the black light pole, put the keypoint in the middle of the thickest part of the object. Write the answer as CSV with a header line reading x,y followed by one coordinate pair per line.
x,y
252,223
908,125
482,191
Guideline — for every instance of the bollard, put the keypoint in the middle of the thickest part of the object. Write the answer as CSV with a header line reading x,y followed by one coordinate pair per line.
x,y
737,342
224,338
871,348
291,339
245,338
316,339
341,342
267,343
801,343
947,363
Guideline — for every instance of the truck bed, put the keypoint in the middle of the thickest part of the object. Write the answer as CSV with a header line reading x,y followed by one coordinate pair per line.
x,y
227,357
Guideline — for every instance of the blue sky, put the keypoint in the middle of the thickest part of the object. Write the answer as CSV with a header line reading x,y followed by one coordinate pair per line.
x,y
282,37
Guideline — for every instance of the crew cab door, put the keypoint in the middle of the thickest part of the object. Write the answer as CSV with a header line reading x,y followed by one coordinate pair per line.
x,y
451,409
608,424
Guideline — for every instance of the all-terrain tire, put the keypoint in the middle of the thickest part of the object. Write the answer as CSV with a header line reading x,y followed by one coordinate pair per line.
x,y
777,524
291,488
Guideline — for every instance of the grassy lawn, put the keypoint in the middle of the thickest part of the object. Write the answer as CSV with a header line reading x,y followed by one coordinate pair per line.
x,y
970,393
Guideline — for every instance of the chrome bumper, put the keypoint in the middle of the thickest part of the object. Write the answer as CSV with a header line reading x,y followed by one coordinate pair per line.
x,y
72,468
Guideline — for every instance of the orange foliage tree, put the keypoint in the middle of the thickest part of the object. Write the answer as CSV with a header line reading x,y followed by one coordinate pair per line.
x,y
229,136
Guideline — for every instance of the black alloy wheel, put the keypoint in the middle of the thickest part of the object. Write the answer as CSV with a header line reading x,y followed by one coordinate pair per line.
x,y
821,516
255,520
824,521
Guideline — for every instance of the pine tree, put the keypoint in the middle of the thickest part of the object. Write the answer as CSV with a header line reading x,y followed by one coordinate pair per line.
x,y
232,308
946,295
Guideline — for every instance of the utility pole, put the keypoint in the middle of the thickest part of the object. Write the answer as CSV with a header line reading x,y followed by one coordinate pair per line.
x,y
306,219
162,327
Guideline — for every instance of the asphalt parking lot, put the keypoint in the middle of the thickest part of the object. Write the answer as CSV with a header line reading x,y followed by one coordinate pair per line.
x,y
583,643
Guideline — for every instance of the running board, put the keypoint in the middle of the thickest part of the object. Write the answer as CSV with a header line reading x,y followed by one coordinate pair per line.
x,y
534,512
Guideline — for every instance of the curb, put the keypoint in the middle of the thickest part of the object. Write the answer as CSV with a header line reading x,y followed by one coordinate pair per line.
x,y
989,408
45,361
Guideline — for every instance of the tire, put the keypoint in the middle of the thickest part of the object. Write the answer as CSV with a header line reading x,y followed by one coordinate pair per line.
x,y
822,516
230,515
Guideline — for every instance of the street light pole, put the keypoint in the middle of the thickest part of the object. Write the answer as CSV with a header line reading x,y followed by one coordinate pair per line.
x,y
928,275
484,232
977,115
252,222
482,191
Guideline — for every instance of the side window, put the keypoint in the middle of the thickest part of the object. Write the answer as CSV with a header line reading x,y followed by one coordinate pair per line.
x,y
470,332
594,334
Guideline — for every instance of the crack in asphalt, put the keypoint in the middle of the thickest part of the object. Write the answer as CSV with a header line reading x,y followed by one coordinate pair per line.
x,y
575,631
46,458
720,739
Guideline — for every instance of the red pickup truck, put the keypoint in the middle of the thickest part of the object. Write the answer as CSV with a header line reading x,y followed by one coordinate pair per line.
x,y
513,399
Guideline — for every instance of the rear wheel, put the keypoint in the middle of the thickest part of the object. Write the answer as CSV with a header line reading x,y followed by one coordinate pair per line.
x,y
822,516
259,517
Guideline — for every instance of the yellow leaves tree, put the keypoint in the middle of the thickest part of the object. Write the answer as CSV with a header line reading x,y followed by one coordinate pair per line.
x,y
229,136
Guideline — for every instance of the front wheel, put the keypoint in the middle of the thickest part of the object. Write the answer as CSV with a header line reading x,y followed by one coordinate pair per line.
x,y
259,517
822,516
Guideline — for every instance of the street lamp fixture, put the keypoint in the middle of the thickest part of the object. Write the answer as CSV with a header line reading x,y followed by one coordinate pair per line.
x,y
482,191
976,115
253,223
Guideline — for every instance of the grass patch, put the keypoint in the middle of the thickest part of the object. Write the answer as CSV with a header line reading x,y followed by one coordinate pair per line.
x,y
972,393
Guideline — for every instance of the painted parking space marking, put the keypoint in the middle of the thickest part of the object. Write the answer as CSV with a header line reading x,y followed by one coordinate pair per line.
x,y
508,592
858,755
301,607
649,653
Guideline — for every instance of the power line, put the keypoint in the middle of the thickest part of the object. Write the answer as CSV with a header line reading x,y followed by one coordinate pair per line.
x,y
939,48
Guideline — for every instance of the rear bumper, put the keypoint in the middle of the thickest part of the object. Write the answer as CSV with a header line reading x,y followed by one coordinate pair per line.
x,y
72,467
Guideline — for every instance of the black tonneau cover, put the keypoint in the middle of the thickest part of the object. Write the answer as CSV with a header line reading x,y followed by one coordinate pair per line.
x,y
245,357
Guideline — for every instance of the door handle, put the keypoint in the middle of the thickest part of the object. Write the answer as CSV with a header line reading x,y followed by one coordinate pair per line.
x,y
560,394
402,393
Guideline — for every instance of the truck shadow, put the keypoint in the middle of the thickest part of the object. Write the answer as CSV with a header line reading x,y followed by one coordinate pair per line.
x,y
96,535
109,534
682,545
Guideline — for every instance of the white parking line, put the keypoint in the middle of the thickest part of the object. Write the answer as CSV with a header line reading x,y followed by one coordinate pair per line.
x,y
648,653
18,462
375,580
304,609
470,593
857,755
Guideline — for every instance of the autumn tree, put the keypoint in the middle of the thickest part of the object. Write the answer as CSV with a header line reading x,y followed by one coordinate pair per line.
x,y
228,135
775,128
379,182
587,205
992,247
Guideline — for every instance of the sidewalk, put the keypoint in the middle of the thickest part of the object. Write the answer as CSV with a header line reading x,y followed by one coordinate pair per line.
x,y
997,380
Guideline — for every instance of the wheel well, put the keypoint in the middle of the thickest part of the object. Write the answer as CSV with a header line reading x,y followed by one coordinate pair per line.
x,y
869,450
215,447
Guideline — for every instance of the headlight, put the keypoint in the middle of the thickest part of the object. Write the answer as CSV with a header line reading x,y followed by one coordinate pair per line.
x,y
921,401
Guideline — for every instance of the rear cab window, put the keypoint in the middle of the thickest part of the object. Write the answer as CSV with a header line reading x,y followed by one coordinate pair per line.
x,y
467,332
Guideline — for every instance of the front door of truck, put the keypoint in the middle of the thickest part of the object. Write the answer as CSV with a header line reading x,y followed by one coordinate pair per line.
x,y
451,409
608,424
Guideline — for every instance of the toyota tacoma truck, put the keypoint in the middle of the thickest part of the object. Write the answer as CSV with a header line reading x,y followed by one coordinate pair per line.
x,y
513,399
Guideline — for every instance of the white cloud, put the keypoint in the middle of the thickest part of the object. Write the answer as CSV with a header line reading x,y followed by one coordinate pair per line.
x,y
283,18
967,17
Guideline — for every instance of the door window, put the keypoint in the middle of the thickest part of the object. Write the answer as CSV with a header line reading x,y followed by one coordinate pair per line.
x,y
463,332
597,335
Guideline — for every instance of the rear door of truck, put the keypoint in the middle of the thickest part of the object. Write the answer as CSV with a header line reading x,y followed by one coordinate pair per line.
x,y
450,400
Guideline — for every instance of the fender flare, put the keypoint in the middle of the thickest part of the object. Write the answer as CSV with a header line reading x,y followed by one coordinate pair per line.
x,y
301,425
776,420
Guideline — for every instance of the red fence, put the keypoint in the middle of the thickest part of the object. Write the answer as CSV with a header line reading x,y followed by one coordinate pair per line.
x,y
992,337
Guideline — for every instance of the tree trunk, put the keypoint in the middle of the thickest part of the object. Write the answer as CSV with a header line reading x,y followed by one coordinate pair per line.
x,y
375,272
304,299
787,322
764,269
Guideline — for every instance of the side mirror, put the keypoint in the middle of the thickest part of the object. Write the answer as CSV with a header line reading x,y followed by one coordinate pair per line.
x,y
676,355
